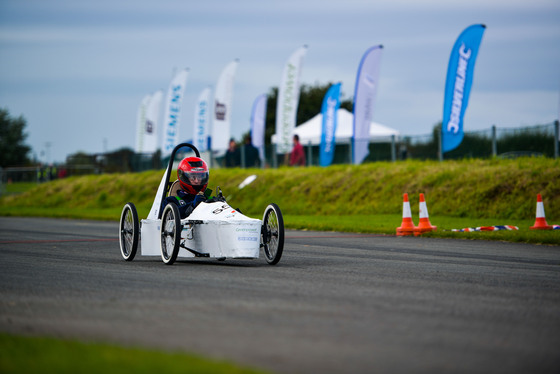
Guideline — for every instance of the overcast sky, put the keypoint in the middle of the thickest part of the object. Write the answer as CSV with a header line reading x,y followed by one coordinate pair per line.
x,y
77,70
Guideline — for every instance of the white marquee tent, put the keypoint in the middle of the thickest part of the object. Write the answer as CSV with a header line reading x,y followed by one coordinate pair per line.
x,y
310,131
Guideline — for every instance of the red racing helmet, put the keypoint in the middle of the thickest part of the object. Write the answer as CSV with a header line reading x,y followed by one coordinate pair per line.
x,y
193,175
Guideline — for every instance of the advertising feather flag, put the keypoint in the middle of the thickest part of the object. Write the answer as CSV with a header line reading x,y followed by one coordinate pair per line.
x,y
364,96
141,123
202,120
152,124
223,98
458,84
288,99
329,110
172,114
258,121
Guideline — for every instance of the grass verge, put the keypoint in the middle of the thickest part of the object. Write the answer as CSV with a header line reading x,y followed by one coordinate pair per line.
x,y
358,198
47,355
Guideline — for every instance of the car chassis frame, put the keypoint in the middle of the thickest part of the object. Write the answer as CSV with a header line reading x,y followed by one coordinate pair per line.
x,y
213,230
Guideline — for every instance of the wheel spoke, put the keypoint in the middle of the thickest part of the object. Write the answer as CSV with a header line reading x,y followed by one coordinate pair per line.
x,y
129,231
273,234
169,234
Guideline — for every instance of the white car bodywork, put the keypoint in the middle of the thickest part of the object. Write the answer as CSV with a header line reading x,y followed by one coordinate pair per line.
x,y
213,229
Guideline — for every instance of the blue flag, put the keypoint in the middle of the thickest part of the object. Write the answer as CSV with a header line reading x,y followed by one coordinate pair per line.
x,y
458,85
331,103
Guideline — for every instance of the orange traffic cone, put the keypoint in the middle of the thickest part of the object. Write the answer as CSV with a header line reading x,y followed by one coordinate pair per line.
x,y
407,226
540,222
424,224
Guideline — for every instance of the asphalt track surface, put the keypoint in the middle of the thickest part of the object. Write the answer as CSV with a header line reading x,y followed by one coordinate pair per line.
x,y
336,303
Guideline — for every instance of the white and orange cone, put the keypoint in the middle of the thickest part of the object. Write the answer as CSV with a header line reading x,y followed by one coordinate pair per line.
x,y
424,224
407,226
540,221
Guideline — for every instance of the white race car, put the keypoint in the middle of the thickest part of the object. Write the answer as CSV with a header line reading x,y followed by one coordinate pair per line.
x,y
213,230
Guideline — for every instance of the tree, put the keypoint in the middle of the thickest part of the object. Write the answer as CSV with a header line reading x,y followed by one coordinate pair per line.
x,y
13,150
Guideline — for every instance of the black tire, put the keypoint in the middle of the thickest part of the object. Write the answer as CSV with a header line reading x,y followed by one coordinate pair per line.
x,y
129,232
272,234
170,233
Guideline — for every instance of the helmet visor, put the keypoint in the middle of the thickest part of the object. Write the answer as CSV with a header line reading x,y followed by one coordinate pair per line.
x,y
194,177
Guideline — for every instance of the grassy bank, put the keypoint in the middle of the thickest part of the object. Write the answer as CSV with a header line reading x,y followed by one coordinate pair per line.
x,y
364,198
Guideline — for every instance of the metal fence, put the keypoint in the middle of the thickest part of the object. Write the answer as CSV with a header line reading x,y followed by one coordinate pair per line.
x,y
541,140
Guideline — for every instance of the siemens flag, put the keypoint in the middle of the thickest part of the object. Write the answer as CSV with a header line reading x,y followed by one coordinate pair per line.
x,y
458,85
202,120
172,112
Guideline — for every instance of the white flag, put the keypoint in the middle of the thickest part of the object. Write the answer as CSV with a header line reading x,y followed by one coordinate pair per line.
x,y
172,112
201,120
364,96
258,121
222,108
141,123
288,99
151,126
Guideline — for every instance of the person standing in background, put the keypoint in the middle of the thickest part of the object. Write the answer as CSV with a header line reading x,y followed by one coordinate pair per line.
x,y
297,157
252,159
232,158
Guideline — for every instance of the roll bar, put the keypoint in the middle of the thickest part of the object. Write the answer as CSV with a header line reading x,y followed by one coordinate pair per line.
x,y
170,167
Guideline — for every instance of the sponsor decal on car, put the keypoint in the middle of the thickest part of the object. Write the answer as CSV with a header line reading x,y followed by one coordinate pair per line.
x,y
247,229
247,238
221,209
